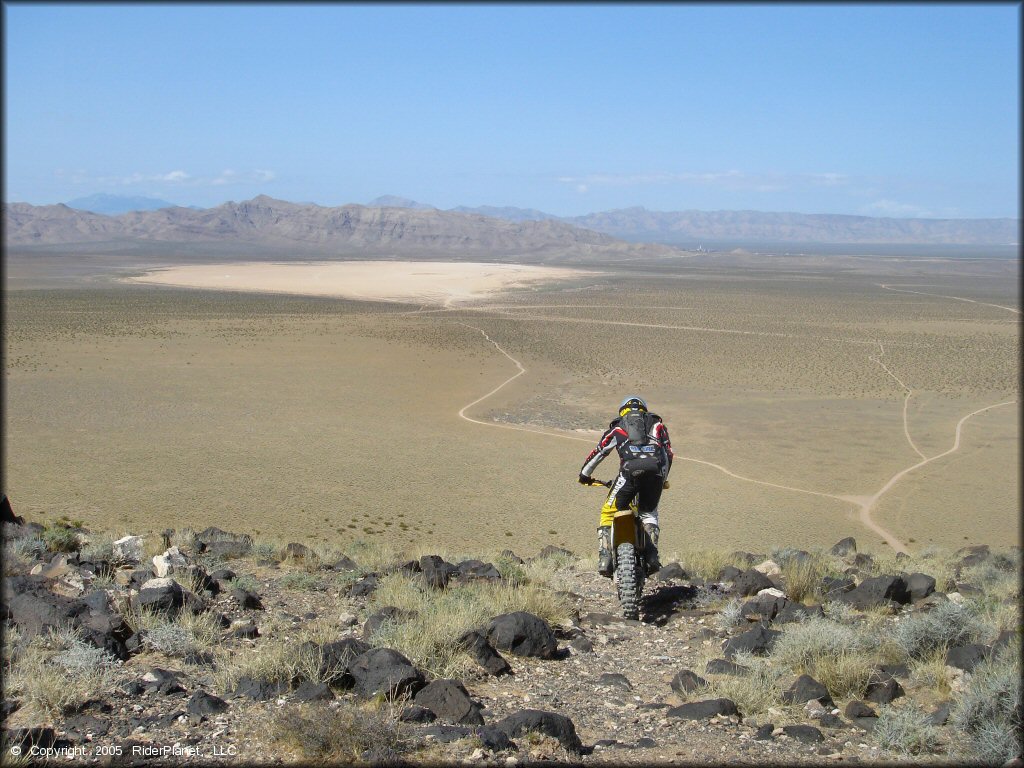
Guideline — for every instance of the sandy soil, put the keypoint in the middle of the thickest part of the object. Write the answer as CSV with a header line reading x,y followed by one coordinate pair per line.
x,y
428,282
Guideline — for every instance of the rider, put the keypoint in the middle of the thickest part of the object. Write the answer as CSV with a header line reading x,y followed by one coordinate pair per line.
x,y
642,475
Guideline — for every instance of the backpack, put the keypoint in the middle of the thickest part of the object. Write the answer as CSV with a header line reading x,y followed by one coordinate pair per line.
x,y
640,453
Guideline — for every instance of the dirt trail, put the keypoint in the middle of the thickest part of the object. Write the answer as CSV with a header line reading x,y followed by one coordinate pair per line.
x,y
865,504
944,296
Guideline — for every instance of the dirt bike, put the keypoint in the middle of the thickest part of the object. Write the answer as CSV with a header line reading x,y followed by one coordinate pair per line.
x,y
629,568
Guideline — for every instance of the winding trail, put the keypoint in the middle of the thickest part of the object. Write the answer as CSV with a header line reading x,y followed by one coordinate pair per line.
x,y
955,298
906,399
864,504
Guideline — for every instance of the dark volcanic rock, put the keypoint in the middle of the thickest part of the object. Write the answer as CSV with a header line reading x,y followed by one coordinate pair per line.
x,y
702,710
764,608
523,634
883,689
764,732
436,571
389,614
805,733
310,691
798,612
940,715
758,641
385,671
686,681
246,599
483,652
724,667
876,591
477,570
729,573
203,704
833,586
260,690
333,659
671,571
557,726
967,657
750,582
344,563
844,547
806,688
364,586
414,713
34,608
857,709
450,701
494,739
920,585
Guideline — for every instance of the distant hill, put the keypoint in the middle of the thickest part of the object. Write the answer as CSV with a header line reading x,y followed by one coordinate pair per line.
x,y
754,226
510,213
264,224
393,201
114,204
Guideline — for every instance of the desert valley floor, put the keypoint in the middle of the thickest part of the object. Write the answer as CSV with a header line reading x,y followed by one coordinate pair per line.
x,y
804,402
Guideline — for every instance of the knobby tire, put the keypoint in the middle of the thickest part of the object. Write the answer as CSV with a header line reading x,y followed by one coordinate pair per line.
x,y
629,580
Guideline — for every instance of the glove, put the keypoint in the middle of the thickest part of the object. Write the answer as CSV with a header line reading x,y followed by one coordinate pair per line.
x,y
664,484
584,480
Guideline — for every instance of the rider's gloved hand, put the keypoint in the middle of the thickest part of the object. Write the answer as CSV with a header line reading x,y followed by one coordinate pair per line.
x,y
585,480
664,484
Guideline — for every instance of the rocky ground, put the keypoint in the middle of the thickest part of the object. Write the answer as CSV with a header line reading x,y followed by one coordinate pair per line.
x,y
591,688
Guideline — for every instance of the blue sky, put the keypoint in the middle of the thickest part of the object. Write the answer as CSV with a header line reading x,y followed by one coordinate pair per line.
x,y
871,109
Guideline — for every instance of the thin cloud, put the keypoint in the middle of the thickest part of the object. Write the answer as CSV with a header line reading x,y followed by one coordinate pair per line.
x,y
895,209
175,178
730,179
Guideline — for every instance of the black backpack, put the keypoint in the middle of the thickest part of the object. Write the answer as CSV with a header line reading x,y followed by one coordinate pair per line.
x,y
640,454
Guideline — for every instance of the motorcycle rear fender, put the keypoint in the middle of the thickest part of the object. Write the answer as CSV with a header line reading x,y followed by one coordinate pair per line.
x,y
623,528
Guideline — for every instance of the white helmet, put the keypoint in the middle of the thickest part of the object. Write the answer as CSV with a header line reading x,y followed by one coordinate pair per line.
x,y
632,403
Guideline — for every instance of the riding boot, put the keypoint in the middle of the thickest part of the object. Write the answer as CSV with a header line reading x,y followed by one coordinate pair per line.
x,y
604,551
651,550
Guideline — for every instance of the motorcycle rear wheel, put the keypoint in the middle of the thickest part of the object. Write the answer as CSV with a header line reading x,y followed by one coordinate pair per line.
x,y
629,580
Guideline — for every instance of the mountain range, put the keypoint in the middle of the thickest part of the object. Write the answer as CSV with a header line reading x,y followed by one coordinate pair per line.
x,y
265,225
397,225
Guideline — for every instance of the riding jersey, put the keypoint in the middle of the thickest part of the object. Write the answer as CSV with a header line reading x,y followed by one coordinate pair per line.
x,y
616,438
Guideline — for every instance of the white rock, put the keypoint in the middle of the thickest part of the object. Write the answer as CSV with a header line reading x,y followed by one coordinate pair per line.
x,y
348,619
768,568
771,592
159,583
168,562
128,549
955,597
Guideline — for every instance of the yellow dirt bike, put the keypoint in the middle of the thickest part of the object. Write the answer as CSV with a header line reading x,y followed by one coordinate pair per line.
x,y
629,568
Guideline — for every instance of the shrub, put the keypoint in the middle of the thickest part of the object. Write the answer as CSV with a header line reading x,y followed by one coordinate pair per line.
x,y
705,563
905,729
59,671
988,711
840,657
729,615
347,734
754,692
244,581
804,576
441,616
945,625
299,580
61,538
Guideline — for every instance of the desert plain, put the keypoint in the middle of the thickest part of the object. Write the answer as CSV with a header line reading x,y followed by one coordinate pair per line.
x,y
431,404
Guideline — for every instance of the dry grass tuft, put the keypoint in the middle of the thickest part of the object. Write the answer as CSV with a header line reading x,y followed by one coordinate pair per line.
x,y
429,638
348,734
57,672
